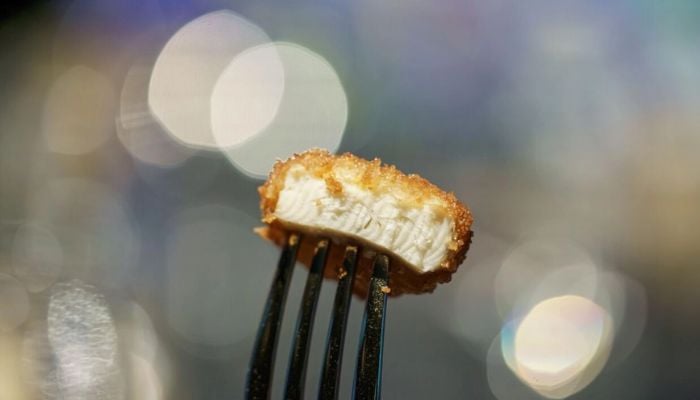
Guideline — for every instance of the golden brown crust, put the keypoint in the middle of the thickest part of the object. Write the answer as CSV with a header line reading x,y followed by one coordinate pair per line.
x,y
373,175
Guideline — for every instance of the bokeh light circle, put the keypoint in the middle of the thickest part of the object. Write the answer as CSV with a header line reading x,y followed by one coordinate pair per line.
x,y
79,111
312,112
247,95
187,68
560,345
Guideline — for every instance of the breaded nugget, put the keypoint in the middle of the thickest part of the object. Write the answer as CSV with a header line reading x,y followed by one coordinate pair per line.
x,y
424,230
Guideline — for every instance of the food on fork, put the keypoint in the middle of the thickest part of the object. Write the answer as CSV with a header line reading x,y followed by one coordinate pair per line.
x,y
424,230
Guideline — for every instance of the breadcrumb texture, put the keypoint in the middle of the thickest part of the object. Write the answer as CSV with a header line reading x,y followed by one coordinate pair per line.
x,y
411,191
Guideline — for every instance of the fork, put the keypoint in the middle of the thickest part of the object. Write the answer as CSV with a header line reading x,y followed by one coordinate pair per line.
x,y
368,370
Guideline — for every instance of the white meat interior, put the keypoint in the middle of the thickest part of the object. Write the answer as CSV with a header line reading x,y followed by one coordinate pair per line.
x,y
419,236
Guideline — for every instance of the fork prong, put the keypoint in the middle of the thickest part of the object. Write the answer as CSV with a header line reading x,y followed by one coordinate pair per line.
x,y
368,372
296,374
336,332
262,360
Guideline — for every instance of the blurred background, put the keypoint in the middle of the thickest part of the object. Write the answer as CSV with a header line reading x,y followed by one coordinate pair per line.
x,y
134,133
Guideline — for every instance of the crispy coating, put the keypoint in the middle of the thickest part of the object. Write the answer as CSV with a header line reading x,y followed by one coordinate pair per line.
x,y
411,190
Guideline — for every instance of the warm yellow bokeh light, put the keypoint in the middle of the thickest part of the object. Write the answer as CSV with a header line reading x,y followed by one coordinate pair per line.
x,y
561,345
79,111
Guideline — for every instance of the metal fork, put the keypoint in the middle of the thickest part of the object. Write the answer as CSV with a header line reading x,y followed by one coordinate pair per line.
x,y
367,383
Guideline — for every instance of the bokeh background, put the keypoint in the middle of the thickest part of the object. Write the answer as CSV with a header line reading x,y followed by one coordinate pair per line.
x,y
133,136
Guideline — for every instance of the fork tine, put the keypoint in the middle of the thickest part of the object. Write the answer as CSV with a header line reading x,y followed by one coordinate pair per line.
x,y
336,332
262,360
368,372
296,374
